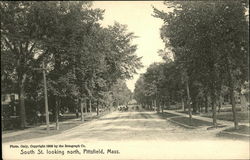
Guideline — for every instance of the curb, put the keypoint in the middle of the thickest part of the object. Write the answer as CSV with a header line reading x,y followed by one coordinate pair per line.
x,y
235,133
182,124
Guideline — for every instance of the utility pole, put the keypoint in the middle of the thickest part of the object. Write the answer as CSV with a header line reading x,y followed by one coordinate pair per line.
x,y
45,97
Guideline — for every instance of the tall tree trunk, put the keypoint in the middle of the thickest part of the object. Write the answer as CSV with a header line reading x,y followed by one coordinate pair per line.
x,y
81,106
57,112
158,106
169,104
206,104
219,101
198,106
57,68
219,106
155,105
182,104
213,107
201,106
188,104
90,105
22,103
85,106
194,105
152,104
232,96
185,104
213,97
97,109
162,107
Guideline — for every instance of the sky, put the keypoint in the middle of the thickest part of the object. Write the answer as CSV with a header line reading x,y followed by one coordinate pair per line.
x,y
137,15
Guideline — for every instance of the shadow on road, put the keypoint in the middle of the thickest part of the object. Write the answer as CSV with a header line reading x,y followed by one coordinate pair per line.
x,y
167,115
184,121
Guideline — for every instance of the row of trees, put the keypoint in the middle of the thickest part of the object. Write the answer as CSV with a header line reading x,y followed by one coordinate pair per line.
x,y
208,42
84,61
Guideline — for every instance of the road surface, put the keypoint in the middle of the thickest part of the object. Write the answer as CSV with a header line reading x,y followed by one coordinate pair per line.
x,y
142,135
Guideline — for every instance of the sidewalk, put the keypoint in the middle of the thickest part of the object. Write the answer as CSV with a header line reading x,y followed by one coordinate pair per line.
x,y
227,124
19,132
42,128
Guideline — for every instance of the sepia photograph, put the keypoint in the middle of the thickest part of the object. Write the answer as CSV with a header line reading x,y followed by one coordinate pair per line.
x,y
125,80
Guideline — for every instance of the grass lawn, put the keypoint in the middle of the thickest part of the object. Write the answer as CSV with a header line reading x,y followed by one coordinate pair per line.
x,y
37,132
242,129
65,117
229,133
184,120
228,116
194,123
166,115
41,132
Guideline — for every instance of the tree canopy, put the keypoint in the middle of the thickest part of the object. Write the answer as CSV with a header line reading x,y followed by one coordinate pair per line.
x,y
83,60
209,43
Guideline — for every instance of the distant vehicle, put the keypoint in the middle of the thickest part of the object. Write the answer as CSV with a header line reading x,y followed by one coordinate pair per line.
x,y
137,108
122,108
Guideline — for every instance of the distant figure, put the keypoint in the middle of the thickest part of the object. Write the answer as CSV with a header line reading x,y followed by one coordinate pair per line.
x,y
60,114
77,113
38,114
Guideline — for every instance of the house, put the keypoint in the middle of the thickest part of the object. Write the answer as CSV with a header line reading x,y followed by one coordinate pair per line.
x,y
9,103
7,98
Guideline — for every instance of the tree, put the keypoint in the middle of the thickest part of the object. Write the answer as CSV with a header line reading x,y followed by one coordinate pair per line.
x,y
83,59
20,34
209,39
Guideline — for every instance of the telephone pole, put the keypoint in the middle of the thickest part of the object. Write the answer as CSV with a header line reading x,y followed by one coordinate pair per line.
x,y
45,97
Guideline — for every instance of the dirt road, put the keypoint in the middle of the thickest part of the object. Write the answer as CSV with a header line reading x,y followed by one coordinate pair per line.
x,y
144,135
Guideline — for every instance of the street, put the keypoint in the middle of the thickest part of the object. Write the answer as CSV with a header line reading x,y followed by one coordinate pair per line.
x,y
124,126
146,133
